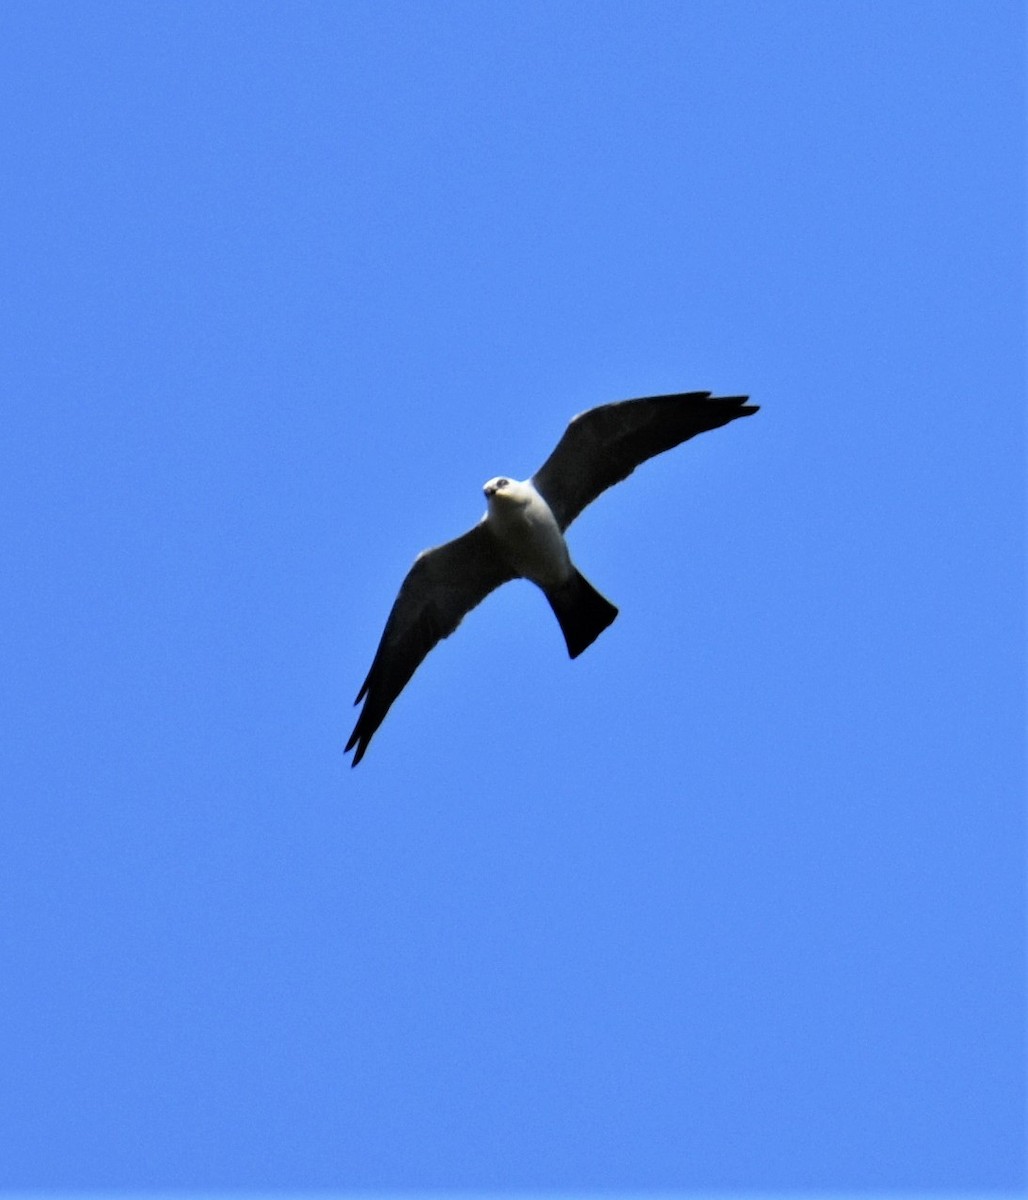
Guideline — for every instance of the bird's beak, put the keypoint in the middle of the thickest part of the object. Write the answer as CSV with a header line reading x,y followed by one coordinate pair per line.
x,y
489,489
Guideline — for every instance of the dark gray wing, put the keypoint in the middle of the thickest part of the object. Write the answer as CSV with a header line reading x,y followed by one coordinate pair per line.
x,y
605,445
444,584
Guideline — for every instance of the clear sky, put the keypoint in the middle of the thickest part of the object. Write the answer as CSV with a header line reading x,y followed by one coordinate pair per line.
x,y
736,899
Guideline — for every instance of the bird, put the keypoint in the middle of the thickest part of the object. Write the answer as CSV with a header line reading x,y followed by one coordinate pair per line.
x,y
521,535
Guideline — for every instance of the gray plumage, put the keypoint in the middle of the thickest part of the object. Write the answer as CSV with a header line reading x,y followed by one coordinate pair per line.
x,y
521,536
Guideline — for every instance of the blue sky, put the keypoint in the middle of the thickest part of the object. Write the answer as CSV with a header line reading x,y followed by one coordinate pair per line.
x,y
736,899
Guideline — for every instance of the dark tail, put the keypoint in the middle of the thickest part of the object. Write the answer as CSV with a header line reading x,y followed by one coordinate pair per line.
x,y
582,612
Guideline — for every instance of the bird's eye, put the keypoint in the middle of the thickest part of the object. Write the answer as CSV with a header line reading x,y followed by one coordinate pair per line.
x,y
502,482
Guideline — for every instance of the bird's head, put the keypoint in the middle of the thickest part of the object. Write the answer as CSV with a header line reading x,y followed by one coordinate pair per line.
x,y
500,488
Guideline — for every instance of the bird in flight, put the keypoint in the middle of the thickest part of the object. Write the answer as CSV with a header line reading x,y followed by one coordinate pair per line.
x,y
521,536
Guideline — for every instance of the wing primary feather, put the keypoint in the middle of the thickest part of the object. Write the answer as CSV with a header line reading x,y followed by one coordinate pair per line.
x,y
604,445
442,586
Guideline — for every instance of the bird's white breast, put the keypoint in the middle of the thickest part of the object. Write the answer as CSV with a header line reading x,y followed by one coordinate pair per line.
x,y
527,530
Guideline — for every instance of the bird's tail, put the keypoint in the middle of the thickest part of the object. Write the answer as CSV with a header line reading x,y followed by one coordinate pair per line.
x,y
582,612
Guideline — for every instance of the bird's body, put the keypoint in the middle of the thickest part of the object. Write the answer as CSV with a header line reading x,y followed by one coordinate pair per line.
x,y
527,531
531,544
521,535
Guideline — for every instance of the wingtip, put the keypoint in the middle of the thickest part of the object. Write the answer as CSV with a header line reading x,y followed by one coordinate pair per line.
x,y
358,740
725,403
742,409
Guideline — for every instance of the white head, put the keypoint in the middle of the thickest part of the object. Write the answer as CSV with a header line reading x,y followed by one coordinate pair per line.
x,y
507,496
505,490
493,487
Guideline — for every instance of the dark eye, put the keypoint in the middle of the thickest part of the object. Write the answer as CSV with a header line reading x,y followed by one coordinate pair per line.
x,y
502,482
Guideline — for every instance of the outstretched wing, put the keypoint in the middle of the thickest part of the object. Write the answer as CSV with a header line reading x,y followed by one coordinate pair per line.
x,y
444,584
605,445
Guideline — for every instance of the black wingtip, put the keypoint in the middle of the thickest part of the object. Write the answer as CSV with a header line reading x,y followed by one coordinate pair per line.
x,y
355,740
735,405
742,409
359,738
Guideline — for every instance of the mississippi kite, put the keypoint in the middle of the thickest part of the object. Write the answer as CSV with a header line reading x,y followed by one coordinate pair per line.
x,y
521,535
